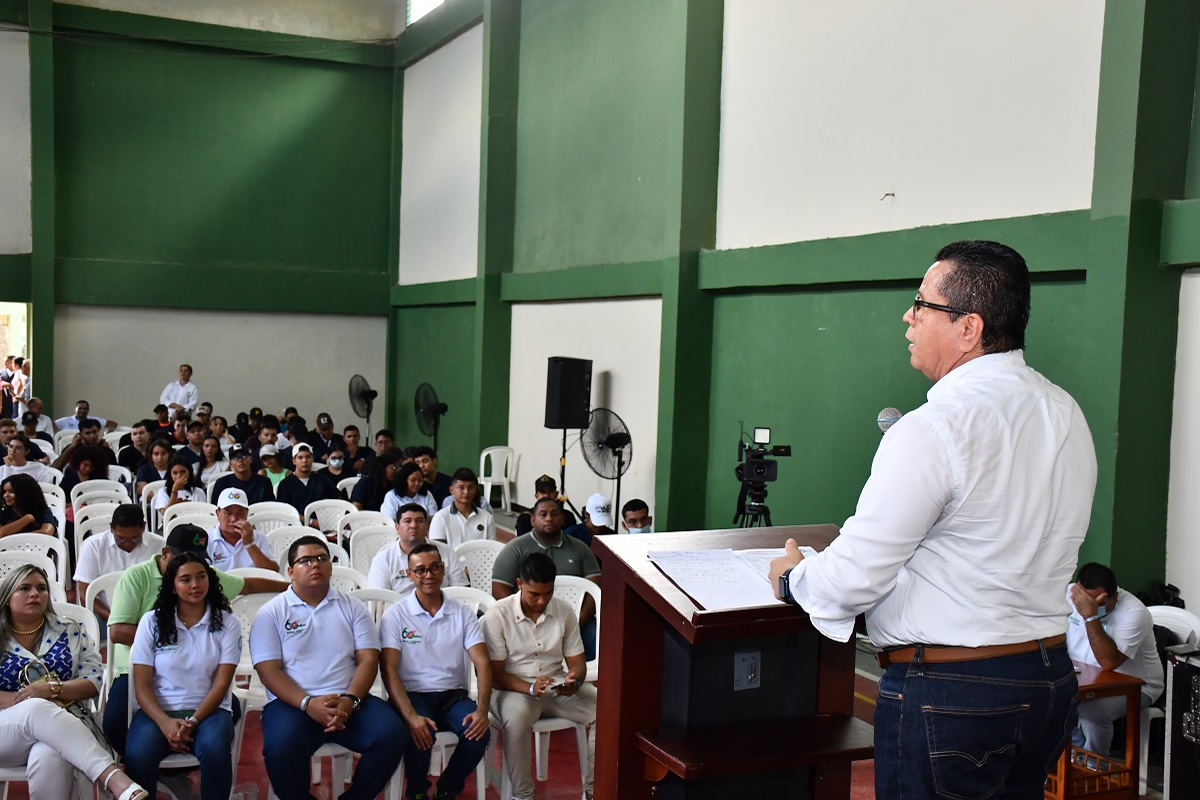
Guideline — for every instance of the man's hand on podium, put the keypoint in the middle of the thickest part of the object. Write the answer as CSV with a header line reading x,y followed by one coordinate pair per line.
x,y
789,559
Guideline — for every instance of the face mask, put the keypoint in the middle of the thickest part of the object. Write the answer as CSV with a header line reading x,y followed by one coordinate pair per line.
x,y
1102,612
640,530
336,463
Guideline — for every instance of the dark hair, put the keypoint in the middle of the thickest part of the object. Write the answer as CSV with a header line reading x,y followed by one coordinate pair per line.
x,y
28,497
400,482
161,442
537,568
220,453
87,423
147,424
1092,575
991,280
636,504
167,602
181,460
540,500
19,361
349,428
424,547
411,507
269,421
376,477
467,475
19,437
195,425
424,450
303,541
94,454
128,515
290,410
385,432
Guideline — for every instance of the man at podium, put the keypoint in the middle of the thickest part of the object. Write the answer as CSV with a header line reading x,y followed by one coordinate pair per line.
x,y
964,535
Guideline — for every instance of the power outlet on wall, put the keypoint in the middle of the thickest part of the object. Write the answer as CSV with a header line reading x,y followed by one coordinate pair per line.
x,y
747,669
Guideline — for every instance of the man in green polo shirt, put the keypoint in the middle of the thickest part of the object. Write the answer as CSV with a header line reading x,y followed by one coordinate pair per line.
x,y
570,556
135,595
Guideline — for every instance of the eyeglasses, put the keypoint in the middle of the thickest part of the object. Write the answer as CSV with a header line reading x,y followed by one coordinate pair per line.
x,y
919,303
433,569
309,561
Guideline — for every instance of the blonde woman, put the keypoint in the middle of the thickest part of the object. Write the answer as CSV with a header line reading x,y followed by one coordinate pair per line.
x,y
49,669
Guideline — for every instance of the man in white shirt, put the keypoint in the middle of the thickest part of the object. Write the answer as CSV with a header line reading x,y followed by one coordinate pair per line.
x,y
234,543
538,668
82,411
181,396
465,519
389,568
317,653
424,637
44,425
963,538
121,547
1110,628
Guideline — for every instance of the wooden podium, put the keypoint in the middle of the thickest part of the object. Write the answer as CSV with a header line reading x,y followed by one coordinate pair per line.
x,y
670,724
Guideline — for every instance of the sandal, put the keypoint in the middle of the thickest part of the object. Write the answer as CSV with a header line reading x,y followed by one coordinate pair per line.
x,y
132,791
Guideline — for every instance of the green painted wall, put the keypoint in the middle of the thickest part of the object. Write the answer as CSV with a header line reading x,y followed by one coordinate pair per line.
x,y
599,132
435,345
194,156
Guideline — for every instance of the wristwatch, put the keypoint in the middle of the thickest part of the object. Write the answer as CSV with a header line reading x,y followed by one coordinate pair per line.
x,y
354,701
785,587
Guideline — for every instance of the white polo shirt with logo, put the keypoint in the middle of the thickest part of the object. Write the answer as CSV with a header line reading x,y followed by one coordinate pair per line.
x,y
389,565
432,647
228,556
316,645
183,671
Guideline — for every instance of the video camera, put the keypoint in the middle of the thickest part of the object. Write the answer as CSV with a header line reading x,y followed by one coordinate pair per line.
x,y
755,470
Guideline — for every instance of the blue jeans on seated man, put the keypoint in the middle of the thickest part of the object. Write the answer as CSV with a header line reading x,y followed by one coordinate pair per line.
x,y
212,744
447,710
290,737
587,632
990,728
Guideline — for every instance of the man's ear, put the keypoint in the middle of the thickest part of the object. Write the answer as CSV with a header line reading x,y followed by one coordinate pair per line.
x,y
972,332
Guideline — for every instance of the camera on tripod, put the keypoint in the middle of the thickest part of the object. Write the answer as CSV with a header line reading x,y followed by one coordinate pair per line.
x,y
755,470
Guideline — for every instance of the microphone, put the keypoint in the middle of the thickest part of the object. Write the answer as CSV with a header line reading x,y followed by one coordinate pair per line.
x,y
887,418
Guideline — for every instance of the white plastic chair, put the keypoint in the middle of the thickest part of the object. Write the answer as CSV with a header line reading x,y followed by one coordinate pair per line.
x,y
355,520
50,546
346,485
55,475
273,505
444,743
104,497
572,590
254,572
476,600
96,510
189,507
114,439
366,542
281,541
347,579
56,501
12,559
54,494
97,485
205,521
122,475
63,438
502,461
327,513
90,527
266,521
479,556
211,485
149,513
377,601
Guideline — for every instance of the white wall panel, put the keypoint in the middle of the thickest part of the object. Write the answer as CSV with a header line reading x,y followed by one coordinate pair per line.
x,y
439,178
119,359
1183,501
16,233
845,117
621,337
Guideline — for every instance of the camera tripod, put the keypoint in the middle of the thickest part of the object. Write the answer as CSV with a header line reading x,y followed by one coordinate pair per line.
x,y
752,509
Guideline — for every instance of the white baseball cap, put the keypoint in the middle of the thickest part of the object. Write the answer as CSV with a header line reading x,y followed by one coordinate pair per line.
x,y
599,509
232,497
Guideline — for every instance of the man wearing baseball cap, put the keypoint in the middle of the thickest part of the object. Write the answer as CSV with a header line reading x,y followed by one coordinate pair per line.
x,y
305,486
544,486
257,487
597,520
135,595
234,543
323,439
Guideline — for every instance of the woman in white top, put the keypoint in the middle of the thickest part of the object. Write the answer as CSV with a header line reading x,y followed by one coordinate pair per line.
x,y
183,658
182,486
408,487
212,460
17,462
49,672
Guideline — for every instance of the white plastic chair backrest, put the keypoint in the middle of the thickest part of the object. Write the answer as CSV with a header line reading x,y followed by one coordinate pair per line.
x,y
205,521
40,544
318,466
281,541
273,506
104,584
572,590
96,485
95,510
479,556
91,626
345,579
13,559
266,521
148,491
105,496
90,527
63,438
476,600
254,572
366,542
114,439
54,474
500,458
376,600
189,507
346,485
348,524
328,513
54,494
211,485
245,607
1183,624
122,475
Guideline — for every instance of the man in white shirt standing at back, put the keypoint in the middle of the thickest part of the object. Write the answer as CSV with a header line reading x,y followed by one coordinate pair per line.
x,y
963,538
1111,629
181,396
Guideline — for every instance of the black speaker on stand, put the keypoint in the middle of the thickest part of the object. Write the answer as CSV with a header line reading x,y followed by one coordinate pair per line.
x,y
568,405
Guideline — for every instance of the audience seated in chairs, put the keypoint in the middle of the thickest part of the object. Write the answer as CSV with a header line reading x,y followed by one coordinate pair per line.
x,y
257,488
305,485
88,436
234,543
121,547
18,460
466,519
182,486
408,486
369,493
389,568
24,507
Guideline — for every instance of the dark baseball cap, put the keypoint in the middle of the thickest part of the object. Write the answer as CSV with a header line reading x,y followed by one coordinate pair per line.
x,y
29,418
324,420
236,451
188,538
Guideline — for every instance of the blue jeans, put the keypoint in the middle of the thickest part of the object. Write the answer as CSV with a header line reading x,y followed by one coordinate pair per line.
x,y
116,713
447,710
964,730
212,744
290,737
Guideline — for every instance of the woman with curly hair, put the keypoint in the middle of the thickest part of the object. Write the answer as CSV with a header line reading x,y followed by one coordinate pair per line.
x,y
49,670
183,658
369,492
24,509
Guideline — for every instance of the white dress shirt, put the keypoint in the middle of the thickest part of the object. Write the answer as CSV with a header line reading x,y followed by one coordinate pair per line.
x,y
33,469
389,565
72,422
186,395
100,555
971,521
